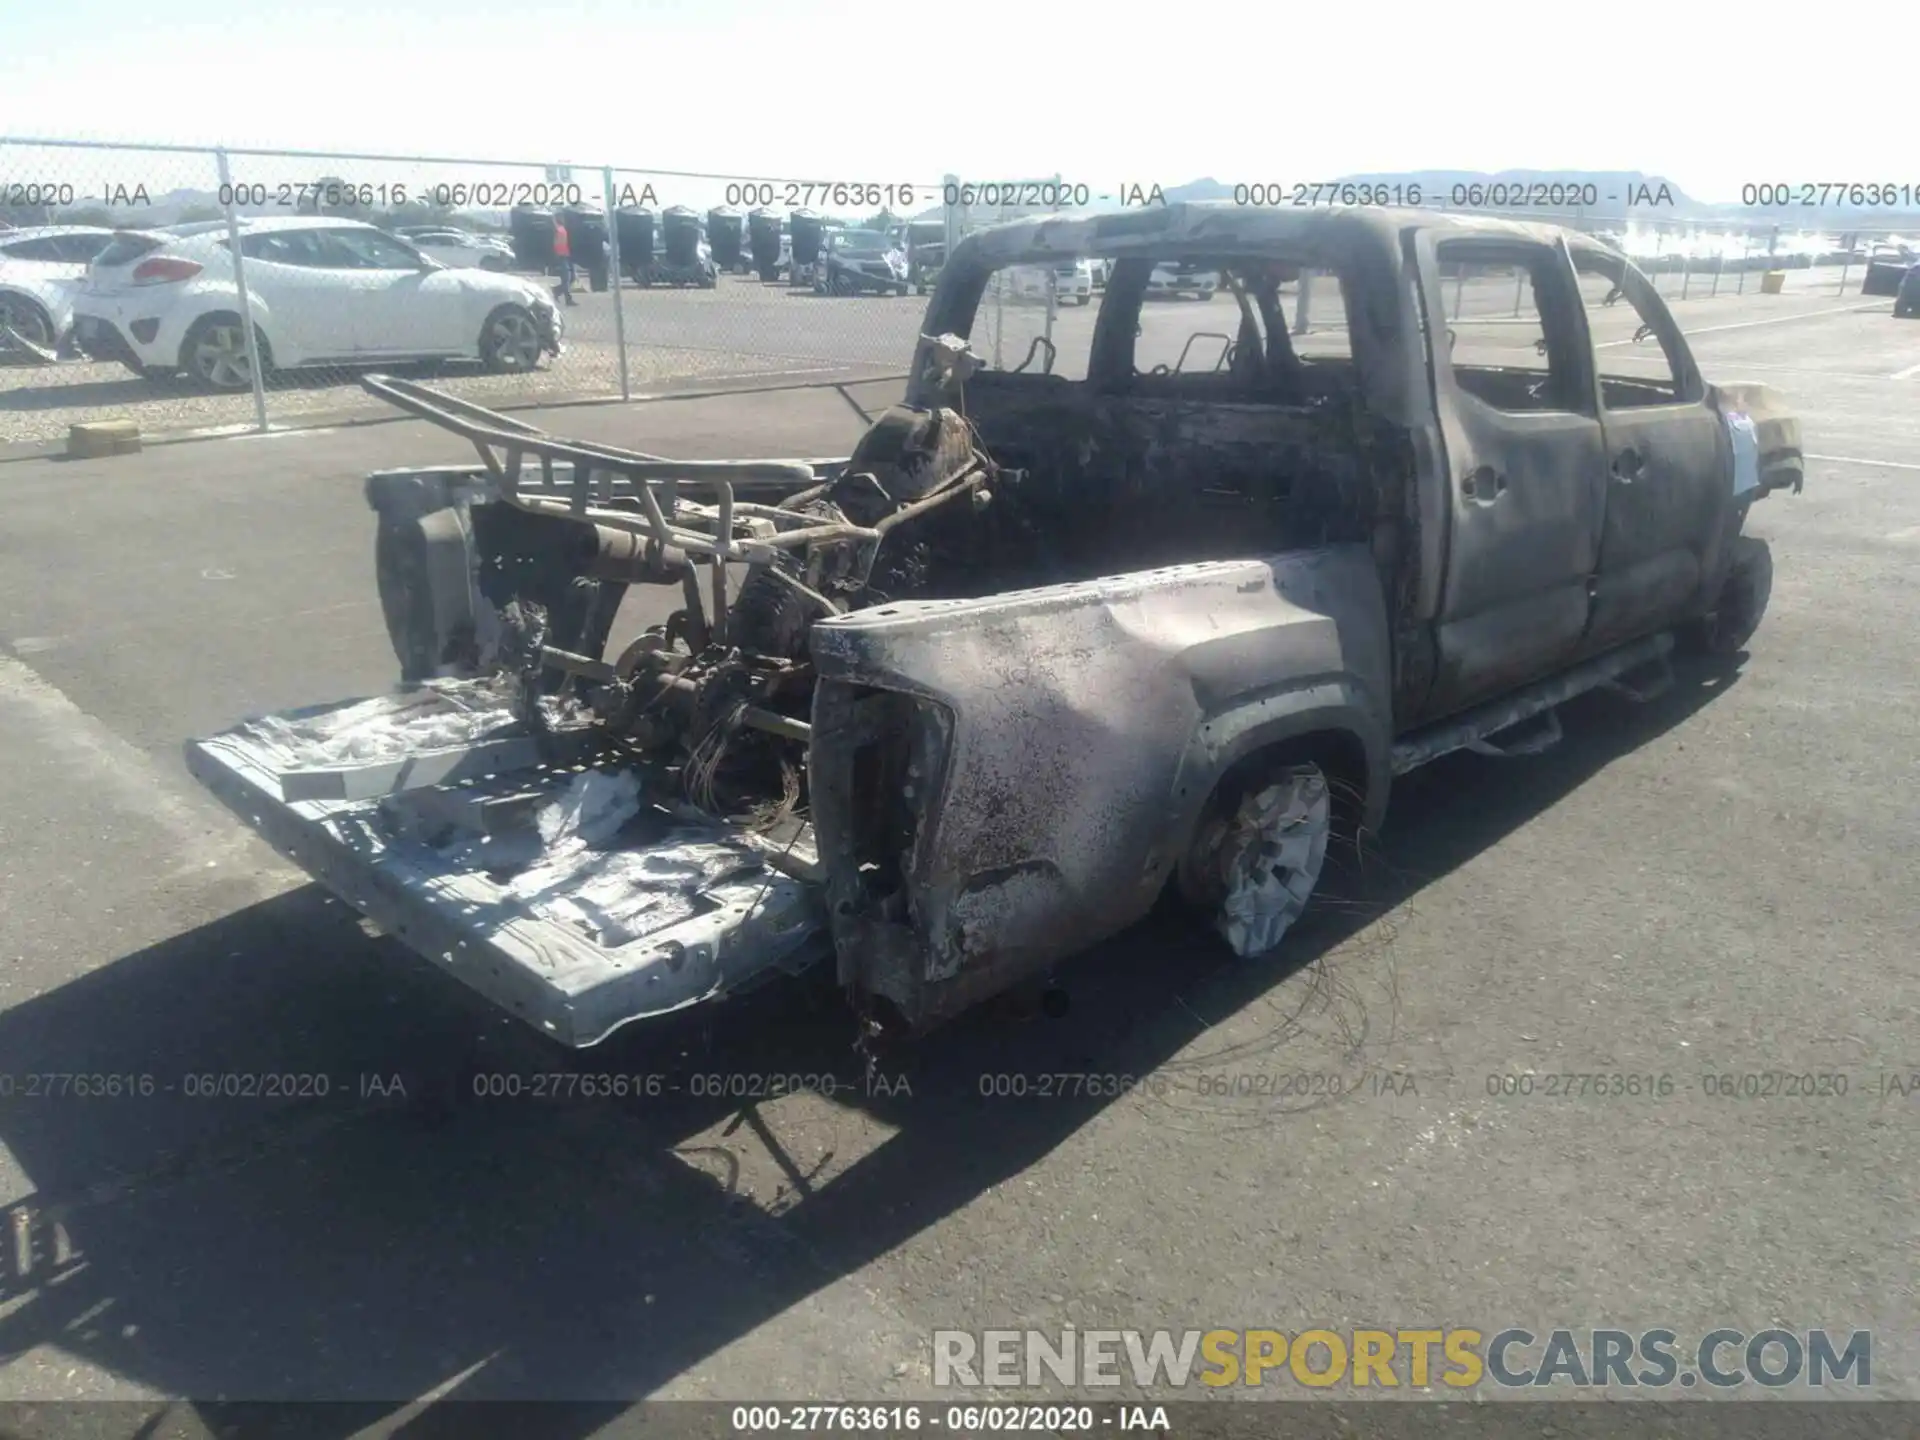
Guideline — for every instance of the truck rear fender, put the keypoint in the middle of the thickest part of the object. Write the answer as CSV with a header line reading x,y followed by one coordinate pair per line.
x,y
1778,462
1762,453
1335,709
1055,747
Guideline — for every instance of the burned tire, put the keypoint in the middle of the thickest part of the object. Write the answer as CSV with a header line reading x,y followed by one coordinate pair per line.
x,y
1258,851
406,598
769,616
1740,606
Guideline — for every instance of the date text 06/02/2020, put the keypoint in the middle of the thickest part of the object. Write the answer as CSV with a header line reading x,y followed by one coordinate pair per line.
x,y
957,1420
65,1085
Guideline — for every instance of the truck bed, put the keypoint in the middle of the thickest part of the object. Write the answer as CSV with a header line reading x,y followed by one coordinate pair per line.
x,y
577,894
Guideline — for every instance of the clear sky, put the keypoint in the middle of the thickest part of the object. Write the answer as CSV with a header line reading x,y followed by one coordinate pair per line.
x,y
1711,95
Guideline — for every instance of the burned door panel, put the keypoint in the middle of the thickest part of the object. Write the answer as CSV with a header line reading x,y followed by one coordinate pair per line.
x,y
1045,741
1669,471
1525,461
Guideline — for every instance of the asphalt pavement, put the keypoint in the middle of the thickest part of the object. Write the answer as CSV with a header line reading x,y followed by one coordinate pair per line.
x,y
1716,883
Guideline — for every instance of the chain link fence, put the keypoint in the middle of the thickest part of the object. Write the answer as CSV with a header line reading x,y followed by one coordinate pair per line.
x,y
127,269
1688,262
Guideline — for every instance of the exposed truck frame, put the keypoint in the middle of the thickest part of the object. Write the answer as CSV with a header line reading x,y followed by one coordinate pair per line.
x,y
1039,649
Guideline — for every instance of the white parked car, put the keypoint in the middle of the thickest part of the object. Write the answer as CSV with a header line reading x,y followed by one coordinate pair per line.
x,y
458,248
323,292
40,271
1071,281
1182,278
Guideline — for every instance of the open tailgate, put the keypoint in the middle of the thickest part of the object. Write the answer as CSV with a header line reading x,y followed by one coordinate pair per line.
x,y
577,897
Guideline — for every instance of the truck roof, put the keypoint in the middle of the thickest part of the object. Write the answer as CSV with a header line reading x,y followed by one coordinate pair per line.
x,y
1220,225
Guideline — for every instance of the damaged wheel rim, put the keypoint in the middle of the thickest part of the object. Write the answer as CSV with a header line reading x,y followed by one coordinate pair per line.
x,y
1268,858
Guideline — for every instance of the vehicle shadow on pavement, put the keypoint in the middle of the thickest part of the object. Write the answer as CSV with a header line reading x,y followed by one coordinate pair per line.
x,y
126,391
91,394
371,1245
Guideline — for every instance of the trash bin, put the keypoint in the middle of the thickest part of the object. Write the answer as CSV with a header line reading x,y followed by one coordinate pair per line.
x,y
1884,275
807,229
680,237
532,232
635,226
587,239
1773,282
763,238
723,234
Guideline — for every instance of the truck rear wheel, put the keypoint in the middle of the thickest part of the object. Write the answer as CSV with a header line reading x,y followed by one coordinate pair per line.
x,y
1740,606
1258,851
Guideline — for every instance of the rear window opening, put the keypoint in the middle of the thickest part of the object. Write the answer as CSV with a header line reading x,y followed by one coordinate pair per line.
x,y
128,246
1257,329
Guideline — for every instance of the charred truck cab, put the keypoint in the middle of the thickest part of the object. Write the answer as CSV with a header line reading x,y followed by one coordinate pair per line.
x,y
1044,646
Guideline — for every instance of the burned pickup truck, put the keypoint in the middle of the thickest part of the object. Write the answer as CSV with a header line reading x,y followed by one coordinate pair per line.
x,y
1052,642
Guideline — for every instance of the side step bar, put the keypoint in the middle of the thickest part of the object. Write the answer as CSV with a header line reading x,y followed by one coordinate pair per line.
x,y
1469,730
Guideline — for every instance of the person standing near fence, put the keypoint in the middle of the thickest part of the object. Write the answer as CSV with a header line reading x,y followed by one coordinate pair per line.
x,y
563,256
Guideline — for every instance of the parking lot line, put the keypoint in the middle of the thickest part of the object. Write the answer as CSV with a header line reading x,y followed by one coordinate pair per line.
x,y
1692,330
118,772
1857,460
1906,374
1746,365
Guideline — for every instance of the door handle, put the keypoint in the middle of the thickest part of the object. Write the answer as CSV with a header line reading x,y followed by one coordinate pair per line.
x,y
1626,465
1485,484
